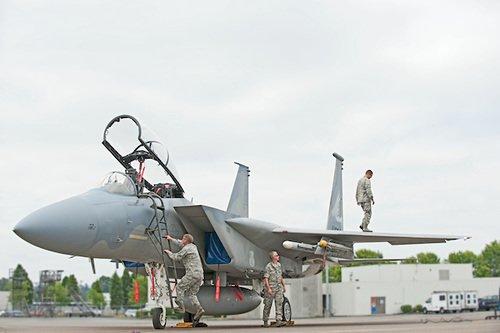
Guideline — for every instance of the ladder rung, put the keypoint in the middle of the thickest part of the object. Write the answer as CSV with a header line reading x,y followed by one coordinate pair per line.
x,y
157,207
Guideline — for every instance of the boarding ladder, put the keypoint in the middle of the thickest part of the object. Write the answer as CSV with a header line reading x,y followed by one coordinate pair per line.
x,y
156,229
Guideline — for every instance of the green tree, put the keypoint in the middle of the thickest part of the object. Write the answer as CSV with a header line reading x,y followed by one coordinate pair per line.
x,y
126,287
59,293
410,260
465,257
5,284
368,254
95,295
427,258
22,288
71,284
116,292
143,292
335,273
105,283
488,262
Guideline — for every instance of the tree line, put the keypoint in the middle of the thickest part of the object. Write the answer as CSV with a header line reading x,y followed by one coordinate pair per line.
x,y
120,288
485,264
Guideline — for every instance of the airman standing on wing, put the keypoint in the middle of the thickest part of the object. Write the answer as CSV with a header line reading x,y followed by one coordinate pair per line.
x,y
274,288
189,285
364,198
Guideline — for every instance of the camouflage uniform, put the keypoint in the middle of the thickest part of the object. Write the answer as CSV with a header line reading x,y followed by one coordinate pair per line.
x,y
274,275
364,198
189,284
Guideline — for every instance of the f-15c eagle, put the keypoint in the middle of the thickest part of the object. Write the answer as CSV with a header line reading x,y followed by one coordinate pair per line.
x,y
127,218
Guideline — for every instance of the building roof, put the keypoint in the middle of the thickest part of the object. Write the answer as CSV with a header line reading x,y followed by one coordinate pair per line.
x,y
407,272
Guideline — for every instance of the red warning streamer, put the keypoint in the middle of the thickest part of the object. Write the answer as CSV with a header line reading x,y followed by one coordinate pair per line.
x,y
217,289
153,288
137,293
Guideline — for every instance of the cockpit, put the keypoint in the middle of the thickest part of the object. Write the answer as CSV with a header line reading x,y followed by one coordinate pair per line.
x,y
119,183
147,163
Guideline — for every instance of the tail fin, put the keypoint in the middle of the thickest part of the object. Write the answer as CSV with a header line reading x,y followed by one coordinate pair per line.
x,y
336,212
238,204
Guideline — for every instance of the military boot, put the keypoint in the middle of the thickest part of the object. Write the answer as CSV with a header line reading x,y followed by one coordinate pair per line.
x,y
266,324
280,323
197,316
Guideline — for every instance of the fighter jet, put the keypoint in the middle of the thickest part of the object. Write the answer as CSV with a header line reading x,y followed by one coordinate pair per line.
x,y
128,216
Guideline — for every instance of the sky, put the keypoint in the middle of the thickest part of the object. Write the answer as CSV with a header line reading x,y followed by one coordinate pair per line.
x,y
409,89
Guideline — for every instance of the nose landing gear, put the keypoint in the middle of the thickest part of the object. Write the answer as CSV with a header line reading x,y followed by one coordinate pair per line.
x,y
159,318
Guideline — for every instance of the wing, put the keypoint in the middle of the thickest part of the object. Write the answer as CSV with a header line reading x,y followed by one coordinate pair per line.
x,y
363,237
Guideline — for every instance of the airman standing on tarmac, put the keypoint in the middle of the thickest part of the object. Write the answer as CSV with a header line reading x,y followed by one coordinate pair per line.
x,y
364,198
274,288
189,285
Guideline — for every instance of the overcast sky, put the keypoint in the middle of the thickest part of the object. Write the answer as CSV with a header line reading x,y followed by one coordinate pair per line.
x,y
409,89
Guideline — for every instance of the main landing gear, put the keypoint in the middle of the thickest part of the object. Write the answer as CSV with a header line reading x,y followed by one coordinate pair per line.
x,y
286,311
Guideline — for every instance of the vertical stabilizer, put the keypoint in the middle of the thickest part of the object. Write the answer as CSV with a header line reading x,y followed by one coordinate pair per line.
x,y
238,204
336,212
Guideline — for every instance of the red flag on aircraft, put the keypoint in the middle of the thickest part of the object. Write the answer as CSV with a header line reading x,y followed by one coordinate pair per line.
x,y
137,293
217,289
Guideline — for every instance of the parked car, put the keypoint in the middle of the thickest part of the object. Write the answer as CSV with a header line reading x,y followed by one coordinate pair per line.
x,y
13,313
488,303
131,313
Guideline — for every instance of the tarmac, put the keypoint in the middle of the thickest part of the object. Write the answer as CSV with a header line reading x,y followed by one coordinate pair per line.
x,y
461,322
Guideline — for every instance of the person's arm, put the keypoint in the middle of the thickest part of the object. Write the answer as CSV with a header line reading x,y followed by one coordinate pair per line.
x,y
176,256
170,238
266,281
283,284
368,189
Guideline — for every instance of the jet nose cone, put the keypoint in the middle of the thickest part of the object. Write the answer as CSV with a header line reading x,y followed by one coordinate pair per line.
x,y
67,227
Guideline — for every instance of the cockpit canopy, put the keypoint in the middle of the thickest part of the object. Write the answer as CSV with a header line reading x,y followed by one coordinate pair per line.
x,y
119,183
146,160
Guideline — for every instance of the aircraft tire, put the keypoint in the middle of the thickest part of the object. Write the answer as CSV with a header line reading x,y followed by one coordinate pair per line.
x,y
287,310
159,321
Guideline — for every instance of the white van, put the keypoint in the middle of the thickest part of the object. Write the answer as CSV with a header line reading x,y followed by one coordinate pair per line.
x,y
451,301
471,301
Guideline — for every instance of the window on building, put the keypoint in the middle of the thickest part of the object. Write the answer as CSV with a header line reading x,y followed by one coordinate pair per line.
x,y
441,297
444,274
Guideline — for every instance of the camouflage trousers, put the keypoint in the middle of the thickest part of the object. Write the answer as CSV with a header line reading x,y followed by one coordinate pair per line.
x,y
187,288
277,297
367,209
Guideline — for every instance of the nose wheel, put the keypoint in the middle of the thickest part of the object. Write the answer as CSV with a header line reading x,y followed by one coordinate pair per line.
x,y
159,318
287,310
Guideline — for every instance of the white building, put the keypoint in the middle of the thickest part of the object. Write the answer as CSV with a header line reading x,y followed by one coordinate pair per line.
x,y
378,289
4,300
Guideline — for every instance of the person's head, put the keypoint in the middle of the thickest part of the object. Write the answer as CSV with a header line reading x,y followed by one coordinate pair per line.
x,y
275,257
369,174
187,239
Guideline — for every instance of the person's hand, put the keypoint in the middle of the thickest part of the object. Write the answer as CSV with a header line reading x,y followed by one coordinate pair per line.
x,y
168,237
167,252
270,290
284,289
